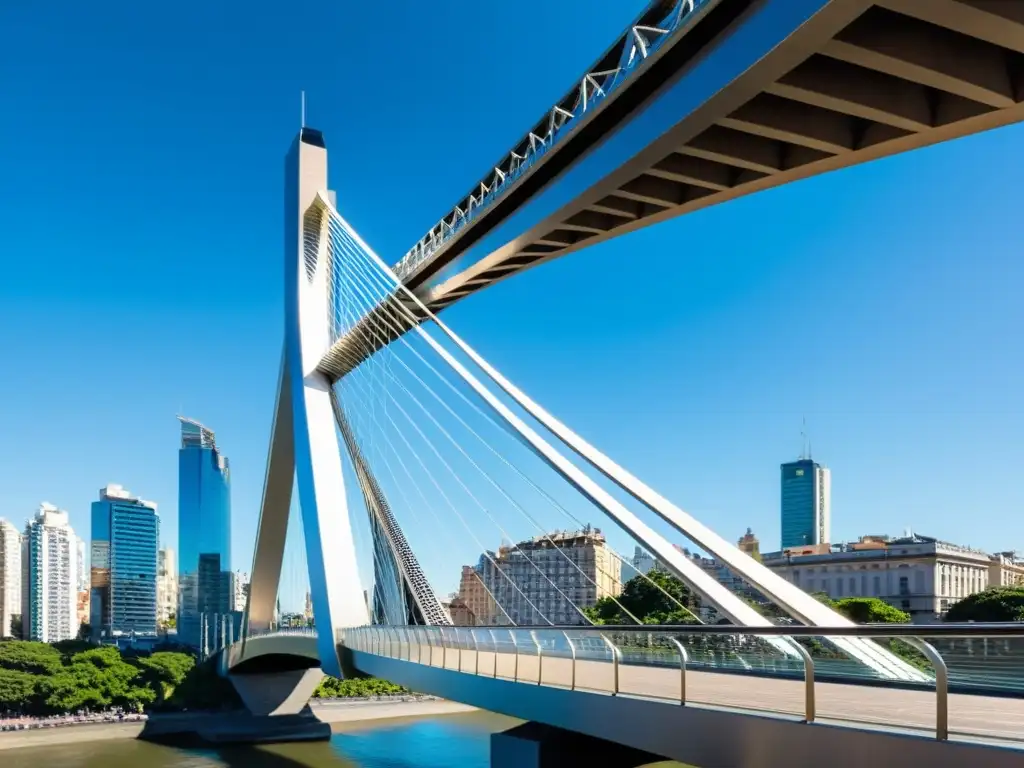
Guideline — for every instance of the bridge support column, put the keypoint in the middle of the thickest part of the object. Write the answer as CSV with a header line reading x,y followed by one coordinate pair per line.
x,y
535,745
277,693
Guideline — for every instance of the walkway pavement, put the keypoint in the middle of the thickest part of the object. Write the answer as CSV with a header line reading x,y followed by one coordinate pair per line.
x,y
970,716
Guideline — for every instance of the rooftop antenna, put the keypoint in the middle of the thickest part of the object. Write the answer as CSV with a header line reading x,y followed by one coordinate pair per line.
x,y
303,123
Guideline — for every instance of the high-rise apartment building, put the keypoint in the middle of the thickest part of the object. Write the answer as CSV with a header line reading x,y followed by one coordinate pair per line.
x,y
548,578
806,504
166,585
473,604
49,574
205,579
239,590
643,562
123,573
10,577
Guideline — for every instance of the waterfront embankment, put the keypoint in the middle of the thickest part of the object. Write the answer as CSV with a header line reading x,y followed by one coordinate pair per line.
x,y
333,712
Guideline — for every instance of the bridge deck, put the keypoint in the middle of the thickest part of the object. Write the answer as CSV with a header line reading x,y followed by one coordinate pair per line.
x,y
971,716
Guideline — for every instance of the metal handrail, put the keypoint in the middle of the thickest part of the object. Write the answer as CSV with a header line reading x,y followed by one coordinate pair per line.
x,y
616,657
515,669
809,701
572,651
540,657
941,685
494,644
1007,629
684,659
376,639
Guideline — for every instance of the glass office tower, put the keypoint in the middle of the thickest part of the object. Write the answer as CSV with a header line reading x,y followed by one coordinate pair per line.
x,y
806,504
204,534
123,572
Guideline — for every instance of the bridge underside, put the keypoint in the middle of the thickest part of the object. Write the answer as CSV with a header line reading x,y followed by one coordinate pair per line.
x,y
857,81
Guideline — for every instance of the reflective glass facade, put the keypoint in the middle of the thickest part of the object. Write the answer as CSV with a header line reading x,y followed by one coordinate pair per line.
x,y
123,573
805,503
204,530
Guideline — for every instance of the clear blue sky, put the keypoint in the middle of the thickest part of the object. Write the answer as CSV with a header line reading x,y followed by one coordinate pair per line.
x,y
140,240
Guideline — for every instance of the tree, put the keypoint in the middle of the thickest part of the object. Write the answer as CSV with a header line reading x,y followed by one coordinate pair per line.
x,y
994,604
333,688
870,610
17,690
654,599
84,630
27,656
164,671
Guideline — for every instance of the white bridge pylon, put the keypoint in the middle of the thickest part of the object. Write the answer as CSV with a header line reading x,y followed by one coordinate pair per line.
x,y
304,441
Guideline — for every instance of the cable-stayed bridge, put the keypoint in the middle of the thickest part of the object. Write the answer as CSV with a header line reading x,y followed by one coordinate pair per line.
x,y
698,102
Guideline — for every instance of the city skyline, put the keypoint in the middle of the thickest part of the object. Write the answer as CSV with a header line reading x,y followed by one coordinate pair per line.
x,y
838,298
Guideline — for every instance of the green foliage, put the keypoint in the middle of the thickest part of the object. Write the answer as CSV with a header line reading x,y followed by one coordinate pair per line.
x,y
994,604
870,610
17,690
333,688
28,656
646,599
37,678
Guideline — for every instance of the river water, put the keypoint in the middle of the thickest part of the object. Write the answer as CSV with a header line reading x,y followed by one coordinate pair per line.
x,y
451,741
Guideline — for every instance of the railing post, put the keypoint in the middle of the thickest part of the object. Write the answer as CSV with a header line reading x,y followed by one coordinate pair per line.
x,y
458,639
540,657
809,708
444,649
684,659
515,669
572,652
430,646
476,652
616,655
494,645
941,685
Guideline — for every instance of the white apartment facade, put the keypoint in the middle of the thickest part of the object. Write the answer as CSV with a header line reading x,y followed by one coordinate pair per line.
x,y
10,576
49,567
920,575
548,578
1006,570
166,586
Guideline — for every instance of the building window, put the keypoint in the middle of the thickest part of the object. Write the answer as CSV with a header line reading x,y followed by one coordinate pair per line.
x,y
904,585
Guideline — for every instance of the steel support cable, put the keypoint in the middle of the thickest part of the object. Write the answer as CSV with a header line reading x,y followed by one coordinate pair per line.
x,y
430,507
454,509
414,578
760,577
382,557
696,578
497,485
469,492
554,503
440,490
482,506
544,494
382,596
494,483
